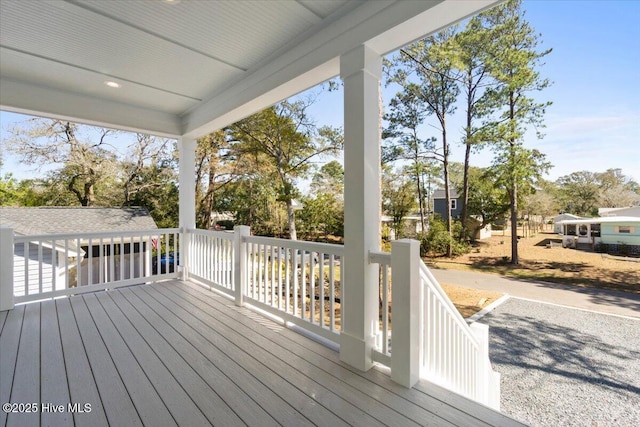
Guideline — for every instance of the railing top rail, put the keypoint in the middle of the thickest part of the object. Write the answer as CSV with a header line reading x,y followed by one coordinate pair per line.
x,y
96,235
297,244
379,257
224,235
429,280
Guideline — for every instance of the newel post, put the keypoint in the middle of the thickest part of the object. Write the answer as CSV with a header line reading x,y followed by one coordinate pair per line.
x,y
240,263
6,269
483,388
405,294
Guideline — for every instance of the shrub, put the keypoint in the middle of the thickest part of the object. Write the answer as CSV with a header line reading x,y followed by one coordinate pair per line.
x,y
436,240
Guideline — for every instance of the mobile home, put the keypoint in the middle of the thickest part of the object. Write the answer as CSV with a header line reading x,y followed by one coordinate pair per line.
x,y
609,234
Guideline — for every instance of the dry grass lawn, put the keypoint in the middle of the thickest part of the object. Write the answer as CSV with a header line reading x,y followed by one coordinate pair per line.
x,y
555,264
469,301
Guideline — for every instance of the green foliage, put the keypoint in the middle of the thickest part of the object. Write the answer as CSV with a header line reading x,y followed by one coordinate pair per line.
x,y
385,244
282,141
398,199
513,60
583,192
543,201
213,173
254,201
329,180
402,140
322,215
486,200
437,241
426,71
16,193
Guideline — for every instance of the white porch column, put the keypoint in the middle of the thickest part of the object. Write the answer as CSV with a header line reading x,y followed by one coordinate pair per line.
x,y
6,268
360,70
187,181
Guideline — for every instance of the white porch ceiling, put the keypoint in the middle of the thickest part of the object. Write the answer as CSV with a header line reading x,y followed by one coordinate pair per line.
x,y
191,66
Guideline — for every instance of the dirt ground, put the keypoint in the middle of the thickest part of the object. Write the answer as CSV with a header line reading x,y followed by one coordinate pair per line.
x,y
469,301
551,264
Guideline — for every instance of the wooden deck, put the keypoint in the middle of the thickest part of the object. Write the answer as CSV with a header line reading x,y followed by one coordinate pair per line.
x,y
174,353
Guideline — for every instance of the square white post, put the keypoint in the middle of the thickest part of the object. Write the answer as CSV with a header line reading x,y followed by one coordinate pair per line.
x,y
240,263
187,197
405,294
488,388
6,269
360,70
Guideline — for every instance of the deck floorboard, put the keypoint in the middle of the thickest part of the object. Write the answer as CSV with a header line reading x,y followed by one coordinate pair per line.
x,y
9,342
357,405
175,353
144,396
26,382
375,384
217,347
54,389
171,376
80,379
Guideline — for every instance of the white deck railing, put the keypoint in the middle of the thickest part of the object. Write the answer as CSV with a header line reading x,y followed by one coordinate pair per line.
x,y
211,258
297,279
451,352
300,282
54,265
455,354
382,352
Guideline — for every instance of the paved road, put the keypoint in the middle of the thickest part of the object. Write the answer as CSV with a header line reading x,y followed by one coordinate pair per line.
x,y
600,300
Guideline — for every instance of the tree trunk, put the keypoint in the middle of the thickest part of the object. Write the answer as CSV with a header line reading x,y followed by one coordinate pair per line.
x,y
291,218
90,196
514,188
465,191
420,199
514,224
445,155
467,155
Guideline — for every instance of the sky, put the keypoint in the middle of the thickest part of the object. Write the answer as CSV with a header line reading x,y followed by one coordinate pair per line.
x,y
594,121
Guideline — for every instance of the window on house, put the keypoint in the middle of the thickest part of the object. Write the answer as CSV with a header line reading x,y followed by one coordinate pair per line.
x,y
583,230
570,230
624,229
595,230
454,204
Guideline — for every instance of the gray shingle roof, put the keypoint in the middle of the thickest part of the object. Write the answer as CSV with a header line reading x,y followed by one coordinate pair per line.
x,y
440,194
68,220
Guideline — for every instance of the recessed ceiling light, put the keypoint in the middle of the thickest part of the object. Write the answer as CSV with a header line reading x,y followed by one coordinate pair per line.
x,y
113,84
171,1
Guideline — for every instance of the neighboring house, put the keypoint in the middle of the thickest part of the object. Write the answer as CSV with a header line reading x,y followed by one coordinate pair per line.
x,y
60,258
440,208
615,234
557,226
411,227
628,211
219,220
440,203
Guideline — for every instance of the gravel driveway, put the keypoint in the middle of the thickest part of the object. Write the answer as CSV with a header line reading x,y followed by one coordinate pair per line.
x,y
566,367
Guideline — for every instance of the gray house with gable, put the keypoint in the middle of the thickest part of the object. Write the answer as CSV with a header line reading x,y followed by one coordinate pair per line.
x,y
440,203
